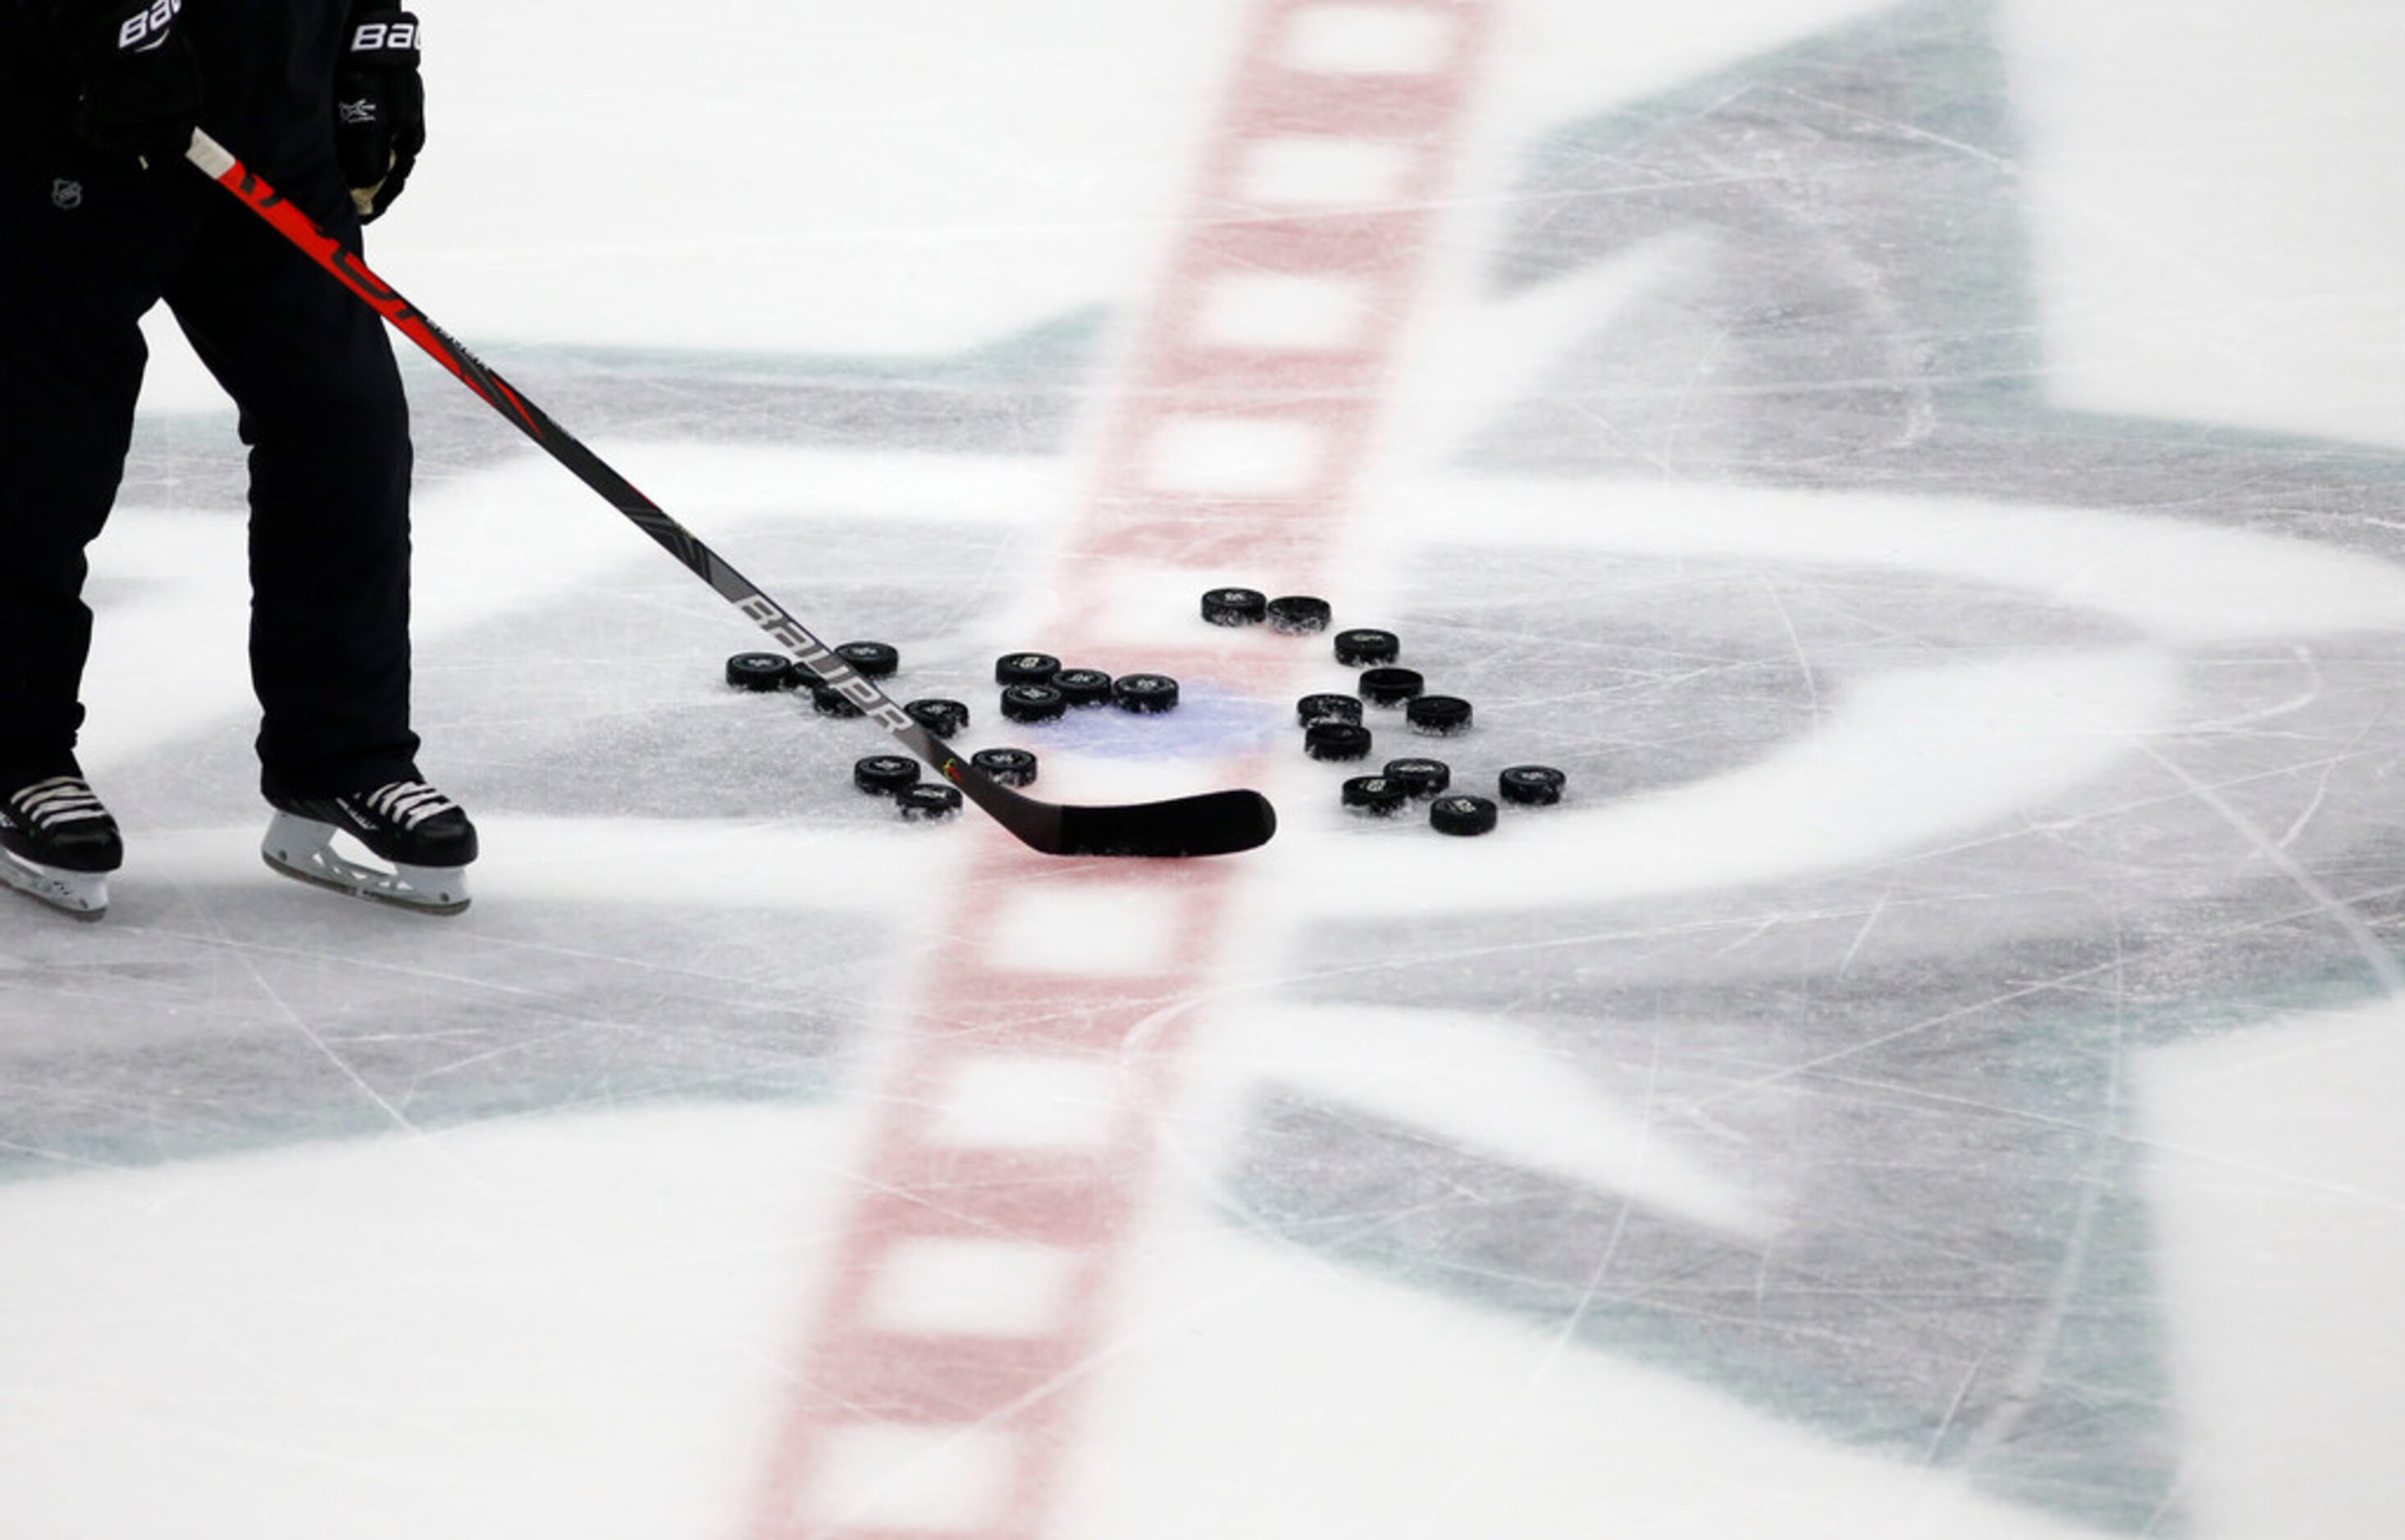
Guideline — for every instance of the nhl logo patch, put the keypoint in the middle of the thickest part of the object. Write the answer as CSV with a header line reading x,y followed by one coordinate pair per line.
x,y
66,193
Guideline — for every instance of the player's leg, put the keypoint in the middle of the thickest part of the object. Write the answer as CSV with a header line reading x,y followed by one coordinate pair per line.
x,y
322,411
81,258
327,427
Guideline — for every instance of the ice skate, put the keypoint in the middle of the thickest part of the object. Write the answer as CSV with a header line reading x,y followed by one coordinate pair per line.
x,y
424,837
58,845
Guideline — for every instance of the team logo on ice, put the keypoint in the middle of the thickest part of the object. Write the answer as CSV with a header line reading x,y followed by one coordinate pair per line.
x,y
66,193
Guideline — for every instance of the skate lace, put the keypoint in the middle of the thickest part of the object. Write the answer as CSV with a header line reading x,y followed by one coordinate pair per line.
x,y
407,803
59,800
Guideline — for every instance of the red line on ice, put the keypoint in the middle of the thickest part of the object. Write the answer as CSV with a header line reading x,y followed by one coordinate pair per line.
x,y
1017,1395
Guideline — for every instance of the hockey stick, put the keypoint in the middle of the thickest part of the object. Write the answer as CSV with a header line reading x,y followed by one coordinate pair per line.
x,y
1214,823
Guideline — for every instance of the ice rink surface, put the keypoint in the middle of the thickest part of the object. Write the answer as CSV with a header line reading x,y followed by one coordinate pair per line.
x,y
1930,474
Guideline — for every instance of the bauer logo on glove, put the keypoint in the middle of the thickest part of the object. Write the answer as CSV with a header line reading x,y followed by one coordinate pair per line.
x,y
146,30
379,108
387,35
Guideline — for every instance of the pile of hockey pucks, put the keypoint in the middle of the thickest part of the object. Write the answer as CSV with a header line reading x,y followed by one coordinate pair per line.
x,y
1036,688
1333,729
893,776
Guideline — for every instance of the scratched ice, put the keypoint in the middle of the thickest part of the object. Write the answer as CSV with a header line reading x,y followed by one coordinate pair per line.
x,y
1929,472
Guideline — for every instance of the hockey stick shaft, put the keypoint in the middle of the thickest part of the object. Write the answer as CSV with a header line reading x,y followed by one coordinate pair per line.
x,y
1215,823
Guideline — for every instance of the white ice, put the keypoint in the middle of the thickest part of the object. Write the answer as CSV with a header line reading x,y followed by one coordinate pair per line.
x,y
1930,471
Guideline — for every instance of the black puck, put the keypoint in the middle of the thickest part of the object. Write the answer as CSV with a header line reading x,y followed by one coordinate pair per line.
x,y
1033,702
1311,708
1424,777
1390,686
1299,613
928,801
1358,647
1083,686
1531,785
1145,693
1025,668
1336,740
1010,766
1438,714
942,717
758,670
1377,796
1235,606
883,775
1461,815
830,702
870,660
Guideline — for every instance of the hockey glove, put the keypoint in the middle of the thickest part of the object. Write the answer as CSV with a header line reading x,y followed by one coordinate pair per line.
x,y
137,82
379,107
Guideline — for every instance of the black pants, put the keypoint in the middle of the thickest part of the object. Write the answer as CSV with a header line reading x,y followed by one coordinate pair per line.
x,y
320,408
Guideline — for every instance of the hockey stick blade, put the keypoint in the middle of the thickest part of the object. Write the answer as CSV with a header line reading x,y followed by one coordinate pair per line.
x,y
1216,823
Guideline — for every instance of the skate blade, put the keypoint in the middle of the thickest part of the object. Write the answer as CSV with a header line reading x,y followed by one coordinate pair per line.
x,y
303,850
78,895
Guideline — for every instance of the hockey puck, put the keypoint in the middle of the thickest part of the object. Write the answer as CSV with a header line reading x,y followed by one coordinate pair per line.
x,y
1236,607
1531,785
870,660
1438,714
1311,708
1355,649
1145,693
1461,815
1033,702
1426,777
1336,740
1376,796
830,702
761,671
1083,686
1299,613
1025,668
1390,686
1007,766
942,717
884,775
928,801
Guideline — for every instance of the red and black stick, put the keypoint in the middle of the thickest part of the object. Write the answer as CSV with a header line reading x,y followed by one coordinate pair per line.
x,y
1214,823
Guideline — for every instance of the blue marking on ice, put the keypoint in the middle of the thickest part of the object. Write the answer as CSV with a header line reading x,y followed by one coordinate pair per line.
x,y
1206,723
